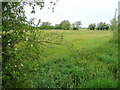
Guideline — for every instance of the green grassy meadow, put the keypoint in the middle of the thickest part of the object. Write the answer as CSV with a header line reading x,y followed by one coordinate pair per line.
x,y
87,59
85,39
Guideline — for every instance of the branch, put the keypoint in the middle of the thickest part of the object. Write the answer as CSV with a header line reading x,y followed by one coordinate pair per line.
x,y
41,42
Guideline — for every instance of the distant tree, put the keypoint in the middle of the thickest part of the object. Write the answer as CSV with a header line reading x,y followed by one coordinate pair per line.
x,y
102,26
57,26
106,26
76,25
52,27
45,25
113,25
92,26
65,25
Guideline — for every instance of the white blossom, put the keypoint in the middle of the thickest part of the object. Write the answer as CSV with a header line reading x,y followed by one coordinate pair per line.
x,y
24,31
26,39
8,40
5,9
0,36
31,45
16,49
8,44
21,64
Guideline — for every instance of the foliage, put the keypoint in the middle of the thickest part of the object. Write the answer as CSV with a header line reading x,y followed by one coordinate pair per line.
x,y
76,25
92,26
101,83
116,35
28,50
113,25
40,73
65,25
48,26
14,31
57,26
110,57
46,23
32,67
102,26
13,17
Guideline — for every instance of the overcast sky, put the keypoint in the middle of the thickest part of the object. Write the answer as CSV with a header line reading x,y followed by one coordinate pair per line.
x,y
86,11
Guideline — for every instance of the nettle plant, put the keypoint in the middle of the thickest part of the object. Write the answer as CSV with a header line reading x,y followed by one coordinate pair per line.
x,y
15,30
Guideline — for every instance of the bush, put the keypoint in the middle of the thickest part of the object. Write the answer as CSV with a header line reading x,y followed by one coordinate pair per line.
x,y
55,73
75,28
31,70
76,25
92,26
23,58
65,25
102,26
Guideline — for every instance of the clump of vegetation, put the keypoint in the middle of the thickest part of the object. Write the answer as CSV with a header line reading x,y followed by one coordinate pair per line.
x,y
76,25
85,68
113,25
30,50
92,26
65,25
101,83
102,26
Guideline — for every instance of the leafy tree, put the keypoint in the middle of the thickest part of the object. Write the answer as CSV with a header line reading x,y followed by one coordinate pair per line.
x,y
65,25
76,25
102,26
92,26
13,18
113,25
45,25
14,28
106,26
13,32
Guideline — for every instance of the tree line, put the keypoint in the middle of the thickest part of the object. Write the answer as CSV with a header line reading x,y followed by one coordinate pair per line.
x,y
104,26
66,25
99,26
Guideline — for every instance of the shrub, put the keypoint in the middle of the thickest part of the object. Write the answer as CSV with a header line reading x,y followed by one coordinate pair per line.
x,y
24,58
102,26
92,26
65,25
